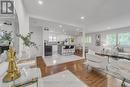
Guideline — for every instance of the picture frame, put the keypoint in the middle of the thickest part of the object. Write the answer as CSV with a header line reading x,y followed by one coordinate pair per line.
x,y
98,40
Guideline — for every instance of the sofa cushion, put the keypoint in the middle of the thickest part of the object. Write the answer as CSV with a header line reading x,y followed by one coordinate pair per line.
x,y
95,58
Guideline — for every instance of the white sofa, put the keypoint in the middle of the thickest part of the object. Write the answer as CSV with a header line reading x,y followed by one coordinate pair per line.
x,y
27,74
95,61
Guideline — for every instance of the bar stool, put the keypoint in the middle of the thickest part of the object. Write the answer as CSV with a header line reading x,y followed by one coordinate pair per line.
x,y
71,49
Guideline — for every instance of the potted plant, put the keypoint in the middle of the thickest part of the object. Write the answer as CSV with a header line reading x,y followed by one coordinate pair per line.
x,y
5,41
6,37
27,43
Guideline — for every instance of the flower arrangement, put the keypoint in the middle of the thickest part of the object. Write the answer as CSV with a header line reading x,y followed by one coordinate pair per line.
x,y
6,36
27,39
5,39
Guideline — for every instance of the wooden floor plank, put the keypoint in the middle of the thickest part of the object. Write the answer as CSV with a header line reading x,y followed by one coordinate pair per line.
x,y
93,79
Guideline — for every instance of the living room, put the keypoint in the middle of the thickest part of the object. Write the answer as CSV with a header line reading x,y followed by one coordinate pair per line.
x,y
61,43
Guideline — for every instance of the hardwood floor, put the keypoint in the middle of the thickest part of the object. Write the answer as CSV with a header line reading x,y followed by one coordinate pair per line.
x,y
93,79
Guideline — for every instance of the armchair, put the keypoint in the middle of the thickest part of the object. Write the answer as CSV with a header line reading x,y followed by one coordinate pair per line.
x,y
95,61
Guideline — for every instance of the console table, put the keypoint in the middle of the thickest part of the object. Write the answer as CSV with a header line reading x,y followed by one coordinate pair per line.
x,y
118,70
113,56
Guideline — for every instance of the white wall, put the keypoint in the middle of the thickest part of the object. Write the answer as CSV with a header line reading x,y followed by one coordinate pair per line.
x,y
103,33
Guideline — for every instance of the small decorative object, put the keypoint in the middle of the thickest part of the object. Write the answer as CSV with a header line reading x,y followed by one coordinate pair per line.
x,y
123,83
98,39
46,29
6,37
72,40
13,72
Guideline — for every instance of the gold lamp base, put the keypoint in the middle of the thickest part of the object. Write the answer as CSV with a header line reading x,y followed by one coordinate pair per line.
x,y
13,72
11,76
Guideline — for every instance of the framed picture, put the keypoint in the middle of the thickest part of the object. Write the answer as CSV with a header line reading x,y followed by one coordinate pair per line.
x,y
98,40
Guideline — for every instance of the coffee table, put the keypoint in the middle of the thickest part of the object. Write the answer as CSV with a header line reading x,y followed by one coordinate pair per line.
x,y
61,79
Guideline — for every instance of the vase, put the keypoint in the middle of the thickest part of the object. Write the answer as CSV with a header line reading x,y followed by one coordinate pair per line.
x,y
25,52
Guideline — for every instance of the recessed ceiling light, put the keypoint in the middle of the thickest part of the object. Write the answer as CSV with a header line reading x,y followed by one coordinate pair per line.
x,y
40,2
60,26
82,17
108,27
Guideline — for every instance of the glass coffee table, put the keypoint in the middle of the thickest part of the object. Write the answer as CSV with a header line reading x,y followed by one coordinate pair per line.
x,y
61,79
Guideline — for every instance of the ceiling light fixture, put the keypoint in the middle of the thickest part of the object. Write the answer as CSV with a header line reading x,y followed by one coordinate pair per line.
x,y
60,26
40,2
82,17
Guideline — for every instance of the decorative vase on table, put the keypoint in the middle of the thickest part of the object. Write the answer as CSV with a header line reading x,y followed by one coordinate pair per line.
x,y
27,43
25,52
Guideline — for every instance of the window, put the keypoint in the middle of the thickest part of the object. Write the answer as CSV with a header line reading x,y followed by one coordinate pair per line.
x,y
111,39
124,38
88,39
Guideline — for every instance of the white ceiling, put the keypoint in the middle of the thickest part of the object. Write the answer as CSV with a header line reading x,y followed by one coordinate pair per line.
x,y
97,12
54,28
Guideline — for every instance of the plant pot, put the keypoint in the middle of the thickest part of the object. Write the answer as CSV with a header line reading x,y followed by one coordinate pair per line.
x,y
25,52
